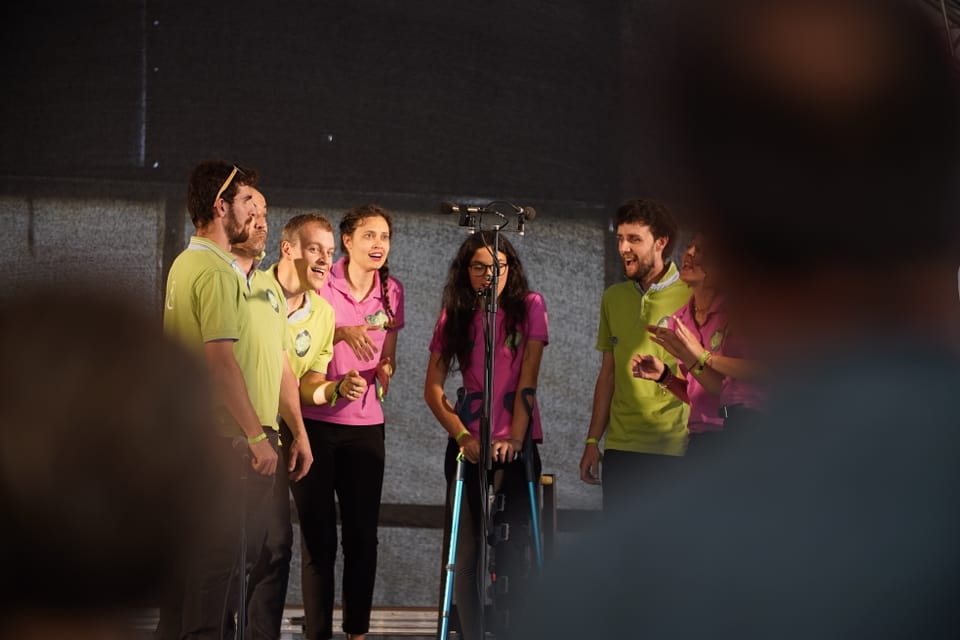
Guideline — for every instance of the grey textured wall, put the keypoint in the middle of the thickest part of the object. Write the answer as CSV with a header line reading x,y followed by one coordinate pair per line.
x,y
118,242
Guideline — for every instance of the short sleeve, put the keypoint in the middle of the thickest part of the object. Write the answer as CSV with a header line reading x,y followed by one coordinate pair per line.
x,y
603,330
395,290
219,300
326,325
537,321
436,343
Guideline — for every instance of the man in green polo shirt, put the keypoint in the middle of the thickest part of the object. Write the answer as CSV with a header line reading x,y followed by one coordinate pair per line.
x,y
274,390
645,426
206,308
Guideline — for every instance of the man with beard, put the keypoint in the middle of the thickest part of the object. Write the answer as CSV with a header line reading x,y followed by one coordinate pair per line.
x,y
645,427
206,309
273,390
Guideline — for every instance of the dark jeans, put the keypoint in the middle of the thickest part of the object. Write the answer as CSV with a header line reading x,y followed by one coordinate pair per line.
x,y
625,473
513,557
267,589
208,599
347,463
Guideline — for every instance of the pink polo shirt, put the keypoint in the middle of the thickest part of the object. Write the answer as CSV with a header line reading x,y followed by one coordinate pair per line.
x,y
348,312
508,357
704,406
734,391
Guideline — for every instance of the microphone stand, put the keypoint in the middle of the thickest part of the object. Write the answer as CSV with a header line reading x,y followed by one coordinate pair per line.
x,y
489,322
473,219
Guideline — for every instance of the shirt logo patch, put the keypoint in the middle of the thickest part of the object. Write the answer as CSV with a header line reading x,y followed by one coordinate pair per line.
x,y
272,298
513,340
716,340
378,319
301,344
614,340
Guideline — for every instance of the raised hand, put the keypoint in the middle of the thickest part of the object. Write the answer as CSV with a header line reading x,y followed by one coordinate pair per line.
x,y
647,367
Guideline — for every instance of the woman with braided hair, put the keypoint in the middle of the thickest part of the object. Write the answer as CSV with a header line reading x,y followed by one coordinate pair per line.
x,y
347,432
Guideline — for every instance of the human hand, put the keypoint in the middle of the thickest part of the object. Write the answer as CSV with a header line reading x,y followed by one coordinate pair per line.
x,y
590,464
689,340
647,367
384,373
506,450
672,343
263,458
357,339
353,385
301,458
470,448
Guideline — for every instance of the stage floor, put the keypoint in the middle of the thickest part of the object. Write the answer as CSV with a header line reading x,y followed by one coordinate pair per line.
x,y
408,623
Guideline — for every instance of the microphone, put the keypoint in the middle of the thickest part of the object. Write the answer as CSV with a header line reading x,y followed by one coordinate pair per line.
x,y
528,213
452,207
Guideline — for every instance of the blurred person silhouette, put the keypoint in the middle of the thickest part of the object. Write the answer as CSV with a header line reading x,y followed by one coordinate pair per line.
x,y
104,464
822,135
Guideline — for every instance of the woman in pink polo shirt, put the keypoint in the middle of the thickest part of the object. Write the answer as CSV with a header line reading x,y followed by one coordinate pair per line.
x,y
458,341
347,431
698,336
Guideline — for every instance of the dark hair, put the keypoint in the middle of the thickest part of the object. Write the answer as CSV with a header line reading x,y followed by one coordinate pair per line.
x,y
349,223
652,214
206,179
460,299
294,224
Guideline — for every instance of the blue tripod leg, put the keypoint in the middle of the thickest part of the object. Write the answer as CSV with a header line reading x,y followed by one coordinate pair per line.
x,y
452,555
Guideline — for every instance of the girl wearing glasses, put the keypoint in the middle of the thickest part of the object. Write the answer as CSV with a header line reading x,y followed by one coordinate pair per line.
x,y
458,342
347,432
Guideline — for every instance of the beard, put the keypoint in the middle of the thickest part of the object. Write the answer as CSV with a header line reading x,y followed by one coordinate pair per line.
x,y
237,233
641,269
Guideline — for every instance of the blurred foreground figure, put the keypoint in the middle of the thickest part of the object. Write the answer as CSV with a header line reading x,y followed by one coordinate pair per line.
x,y
822,135
103,463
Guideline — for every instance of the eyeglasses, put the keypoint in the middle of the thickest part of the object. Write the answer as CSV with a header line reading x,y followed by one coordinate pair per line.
x,y
480,269
226,183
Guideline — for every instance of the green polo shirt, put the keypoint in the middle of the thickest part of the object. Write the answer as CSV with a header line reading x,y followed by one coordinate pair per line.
x,y
261,346
310,330
206,301
644,418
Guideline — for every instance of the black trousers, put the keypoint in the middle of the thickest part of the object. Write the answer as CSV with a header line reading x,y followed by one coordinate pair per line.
x,y
624,472
347,463
267,589
207,600
513,558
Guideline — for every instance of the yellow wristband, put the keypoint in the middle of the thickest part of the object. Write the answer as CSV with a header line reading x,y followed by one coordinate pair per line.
x,y
460,435
593,441
256,439
336,394
702,360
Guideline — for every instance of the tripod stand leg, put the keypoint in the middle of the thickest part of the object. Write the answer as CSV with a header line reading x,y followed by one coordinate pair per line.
x,y
452,554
